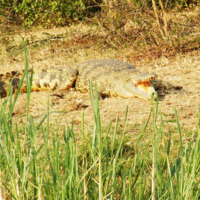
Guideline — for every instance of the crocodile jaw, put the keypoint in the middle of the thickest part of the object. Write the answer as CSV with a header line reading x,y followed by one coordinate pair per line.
x,y
147,88
141,85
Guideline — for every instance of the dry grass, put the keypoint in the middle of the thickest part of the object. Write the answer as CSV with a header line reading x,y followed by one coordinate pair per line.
x,y
78,44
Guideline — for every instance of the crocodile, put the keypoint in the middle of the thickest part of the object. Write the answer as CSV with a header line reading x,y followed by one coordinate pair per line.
x,y
113,78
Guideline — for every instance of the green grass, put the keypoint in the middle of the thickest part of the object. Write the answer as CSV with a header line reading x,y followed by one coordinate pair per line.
x,y
54,166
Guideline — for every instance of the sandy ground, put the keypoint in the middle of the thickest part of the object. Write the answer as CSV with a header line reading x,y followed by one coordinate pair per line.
x,y
182,70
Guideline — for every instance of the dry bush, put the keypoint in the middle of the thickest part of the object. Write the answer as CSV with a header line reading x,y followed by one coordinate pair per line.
x,y
154,28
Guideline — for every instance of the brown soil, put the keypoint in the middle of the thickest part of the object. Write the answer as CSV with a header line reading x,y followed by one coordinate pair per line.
x,y
182,70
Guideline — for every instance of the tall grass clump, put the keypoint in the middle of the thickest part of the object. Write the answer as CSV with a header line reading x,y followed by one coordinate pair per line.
x,y
39,162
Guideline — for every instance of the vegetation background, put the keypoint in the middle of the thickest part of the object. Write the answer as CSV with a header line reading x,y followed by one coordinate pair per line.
x,y
40,158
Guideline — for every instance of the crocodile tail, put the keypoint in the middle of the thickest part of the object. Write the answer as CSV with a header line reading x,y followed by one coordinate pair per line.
x,y
11,78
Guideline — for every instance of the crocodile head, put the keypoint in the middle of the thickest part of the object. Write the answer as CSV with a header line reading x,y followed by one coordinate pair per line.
x,y
140,84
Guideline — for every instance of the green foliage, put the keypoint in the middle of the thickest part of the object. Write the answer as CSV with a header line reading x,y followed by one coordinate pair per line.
x,y
37,162
62,12
43,12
